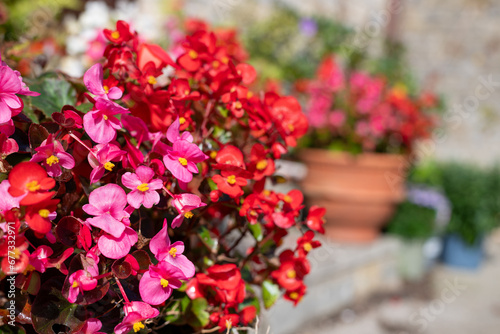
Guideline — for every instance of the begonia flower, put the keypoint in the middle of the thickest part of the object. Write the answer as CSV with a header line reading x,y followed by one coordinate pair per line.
x,y
31,180
158,282
101,124
185,203
93,81
143,187
107,204
135,314
163,250
80,281
52,156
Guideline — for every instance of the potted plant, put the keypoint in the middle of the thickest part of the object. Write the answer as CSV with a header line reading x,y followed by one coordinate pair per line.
x,y
126,195
417,222
475,203
362,133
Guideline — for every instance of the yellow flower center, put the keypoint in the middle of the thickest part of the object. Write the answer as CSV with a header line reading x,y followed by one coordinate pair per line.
x,y
308,247
52,160
266,192
44,213
105,117
213,154
215,64
106,89
291,127
173,252
182,120
229,324
238,105
138,326
231,179
28,269
33,186
183,161
233,89
17,253
151,80
143,187
193,54
75,284
287,199
225,60
109,166
261,165
189,215
115,35
291,274
164,282
249,95
294,295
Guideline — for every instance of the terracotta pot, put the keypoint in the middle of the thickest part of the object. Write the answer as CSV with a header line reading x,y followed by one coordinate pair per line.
x,y
359,192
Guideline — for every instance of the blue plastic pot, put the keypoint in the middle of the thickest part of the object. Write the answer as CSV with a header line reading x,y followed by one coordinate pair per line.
x,y
458,253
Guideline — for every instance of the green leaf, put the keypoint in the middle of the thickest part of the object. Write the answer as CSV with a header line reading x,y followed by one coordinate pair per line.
x,y
85,107
28,110
223,111
212,184
54,94
250,302
50,309
270,293
256,230
207,239
198,309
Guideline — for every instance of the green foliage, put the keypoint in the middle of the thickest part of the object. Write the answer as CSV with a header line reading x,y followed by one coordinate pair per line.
x,y
412,222
473,193
282,51
270,293
55,92
30,18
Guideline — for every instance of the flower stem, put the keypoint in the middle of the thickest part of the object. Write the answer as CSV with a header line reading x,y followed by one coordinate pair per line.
x,y
83,144
122,290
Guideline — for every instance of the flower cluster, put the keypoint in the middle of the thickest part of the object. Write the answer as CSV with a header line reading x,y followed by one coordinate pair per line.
x,y
360,112
129,206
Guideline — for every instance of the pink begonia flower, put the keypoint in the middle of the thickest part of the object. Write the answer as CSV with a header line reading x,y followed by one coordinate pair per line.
x,y
143,187
8,128
7,201
107,203
53,157
135,314
93,81
91,326
172,253
158,282
136,127
40,259
7,145
101,123
184,203
106,155
337,118
173,132
79,282
117,247
182,158
10,85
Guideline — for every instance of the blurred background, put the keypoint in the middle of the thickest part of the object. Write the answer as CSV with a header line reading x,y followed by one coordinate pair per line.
x,y
403,102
